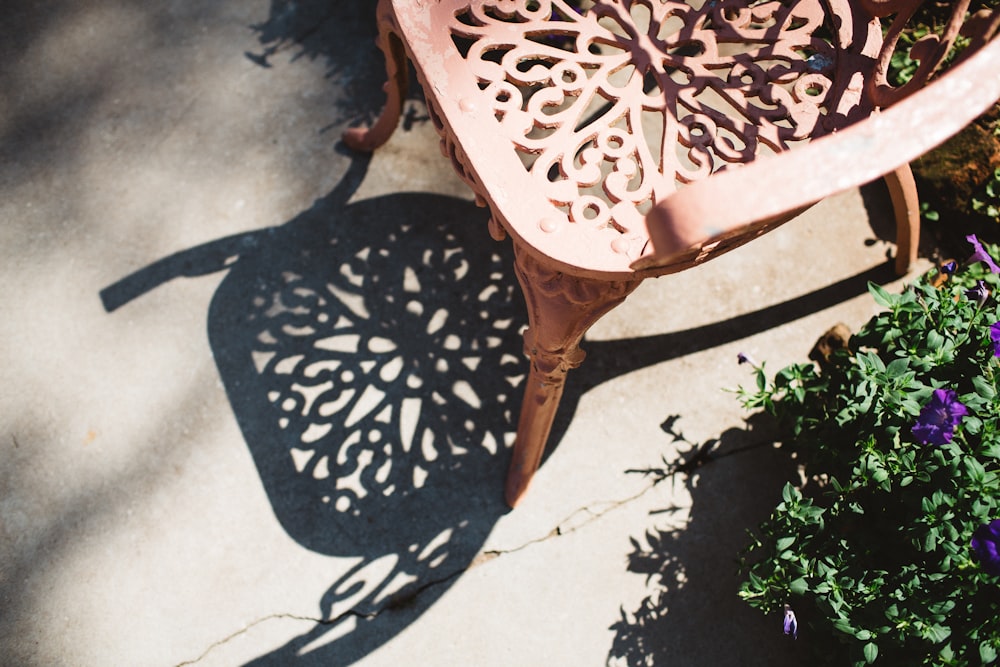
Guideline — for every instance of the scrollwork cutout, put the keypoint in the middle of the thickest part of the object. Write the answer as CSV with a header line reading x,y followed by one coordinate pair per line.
x,y
613,108
969,26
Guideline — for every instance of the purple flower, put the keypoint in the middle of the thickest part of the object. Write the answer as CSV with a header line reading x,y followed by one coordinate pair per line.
x,y
995,338
980,255
745,359
979,293
792,626
938,419
986,546
949,267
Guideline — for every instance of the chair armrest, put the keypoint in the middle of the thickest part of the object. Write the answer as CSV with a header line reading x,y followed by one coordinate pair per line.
x,y
772,187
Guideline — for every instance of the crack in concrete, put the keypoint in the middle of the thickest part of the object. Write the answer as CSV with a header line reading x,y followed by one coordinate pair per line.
x,y
703,456
567,526
393,603
405,598
244,630
592,512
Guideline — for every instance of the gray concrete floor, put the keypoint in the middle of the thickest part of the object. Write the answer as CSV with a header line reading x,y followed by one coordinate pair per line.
x,y
194,271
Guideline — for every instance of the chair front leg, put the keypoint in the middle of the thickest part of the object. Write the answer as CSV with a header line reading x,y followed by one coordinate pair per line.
x,y
906,207
561,308
367,139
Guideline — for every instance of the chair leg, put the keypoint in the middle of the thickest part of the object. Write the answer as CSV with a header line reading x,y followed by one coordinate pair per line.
x,y
906,206
367,139
560,310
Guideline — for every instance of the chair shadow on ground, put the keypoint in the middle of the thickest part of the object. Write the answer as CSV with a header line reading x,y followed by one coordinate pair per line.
x,y
372,360
371,355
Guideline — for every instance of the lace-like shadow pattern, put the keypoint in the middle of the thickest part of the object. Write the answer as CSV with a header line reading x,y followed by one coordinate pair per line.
x,y
374,369
612,108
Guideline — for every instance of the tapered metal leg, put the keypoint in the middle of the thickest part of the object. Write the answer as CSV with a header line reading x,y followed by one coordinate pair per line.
x,y
367,139
560,310
906,206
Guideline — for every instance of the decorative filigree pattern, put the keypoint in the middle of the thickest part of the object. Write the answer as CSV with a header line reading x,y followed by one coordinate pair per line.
x,y
451,149
370,366
961,35
369,352
561,308
574,291
611,109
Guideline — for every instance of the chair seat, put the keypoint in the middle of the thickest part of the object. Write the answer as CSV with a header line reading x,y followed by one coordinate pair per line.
x,y
572,126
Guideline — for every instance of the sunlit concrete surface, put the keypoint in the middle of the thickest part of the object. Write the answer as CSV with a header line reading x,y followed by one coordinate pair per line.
x,y
258,392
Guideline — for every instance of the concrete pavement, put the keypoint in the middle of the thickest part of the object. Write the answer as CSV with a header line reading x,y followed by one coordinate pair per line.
x,y
208,303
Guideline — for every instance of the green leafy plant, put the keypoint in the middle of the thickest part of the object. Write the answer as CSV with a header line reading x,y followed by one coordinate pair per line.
x,y
949,189
988,201
885,553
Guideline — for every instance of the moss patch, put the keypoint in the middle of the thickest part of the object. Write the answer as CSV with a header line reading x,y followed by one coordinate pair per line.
x,y
951,176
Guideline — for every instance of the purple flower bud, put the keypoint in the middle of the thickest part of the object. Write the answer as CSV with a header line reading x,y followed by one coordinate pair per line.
x,y
979,293
995,338
986,546
745,359
980,255
949,267
938,419
791,625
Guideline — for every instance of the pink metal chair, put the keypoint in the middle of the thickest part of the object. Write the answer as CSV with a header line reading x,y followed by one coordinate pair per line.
x,y
636,138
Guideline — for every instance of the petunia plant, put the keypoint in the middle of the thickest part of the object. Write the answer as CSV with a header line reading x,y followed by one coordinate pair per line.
x,y
888,551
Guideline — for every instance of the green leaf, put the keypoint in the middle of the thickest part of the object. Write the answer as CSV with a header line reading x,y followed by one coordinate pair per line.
x,y
871,652
897,368
975,469
937,633
942,607
882,297
987,653
983,387
799,586
784,542
843,625
934,340
790,494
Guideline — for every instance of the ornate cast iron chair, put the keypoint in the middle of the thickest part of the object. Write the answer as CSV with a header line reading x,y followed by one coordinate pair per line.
x,y
637,138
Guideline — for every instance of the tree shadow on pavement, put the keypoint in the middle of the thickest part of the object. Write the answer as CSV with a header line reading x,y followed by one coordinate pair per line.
x,y
692,615
343,35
